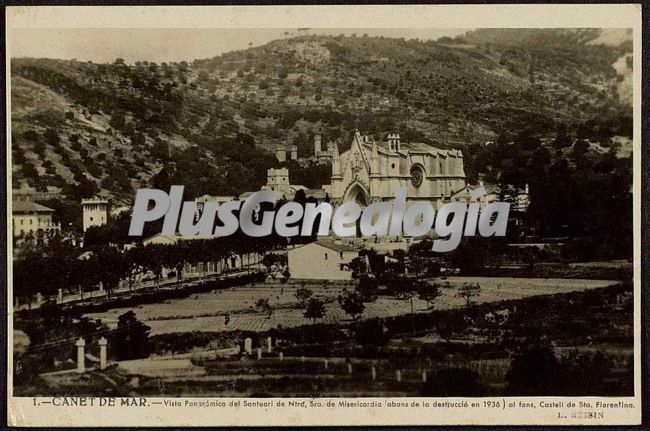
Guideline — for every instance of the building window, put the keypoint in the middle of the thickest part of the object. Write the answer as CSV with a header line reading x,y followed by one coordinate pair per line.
x,y
91,219
325,256
416,176
341,255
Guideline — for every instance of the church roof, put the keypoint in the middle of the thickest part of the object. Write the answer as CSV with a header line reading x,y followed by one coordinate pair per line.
x,y
426,148
380,149
412,147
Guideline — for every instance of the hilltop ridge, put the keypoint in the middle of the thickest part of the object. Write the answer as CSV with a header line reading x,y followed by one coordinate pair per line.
x,y
88,127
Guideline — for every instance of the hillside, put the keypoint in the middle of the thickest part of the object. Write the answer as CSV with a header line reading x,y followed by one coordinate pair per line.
x,y
86,127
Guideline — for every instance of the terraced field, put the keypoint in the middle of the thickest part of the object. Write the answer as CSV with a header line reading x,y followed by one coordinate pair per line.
x,y
207,311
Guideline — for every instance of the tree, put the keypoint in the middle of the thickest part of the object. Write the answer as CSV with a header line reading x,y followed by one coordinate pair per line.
x,y
136,259
315,309
138,140
580,148
398,263
450,325
352,304
52,137
31,135
131,338
302,295
534,372
562,138
399,286
358,266
29,170
468,291
110,267
39,148
367,287
160,150
25,279
264,306
541,157
285,275
428,292
269,260
371,332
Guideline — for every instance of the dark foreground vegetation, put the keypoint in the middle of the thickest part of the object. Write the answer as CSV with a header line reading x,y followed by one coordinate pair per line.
x,y
535,348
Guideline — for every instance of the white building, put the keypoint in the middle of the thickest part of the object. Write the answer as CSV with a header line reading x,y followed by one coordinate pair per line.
x,y
95,212
325,259
278,180
160,239
32,219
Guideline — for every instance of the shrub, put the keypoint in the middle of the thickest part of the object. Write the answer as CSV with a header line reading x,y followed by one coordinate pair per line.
x,y
352,304
534,372
130,339
52,137
367,287
302,295
315,309
264,306
31,135
371,333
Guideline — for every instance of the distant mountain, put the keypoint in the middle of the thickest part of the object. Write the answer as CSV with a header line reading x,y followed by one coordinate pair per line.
x,y
113,127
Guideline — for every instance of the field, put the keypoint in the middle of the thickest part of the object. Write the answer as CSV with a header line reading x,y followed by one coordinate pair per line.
x,y
207,311
585,325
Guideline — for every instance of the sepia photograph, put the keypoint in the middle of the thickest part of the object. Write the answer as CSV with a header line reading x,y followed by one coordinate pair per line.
x,y
323,213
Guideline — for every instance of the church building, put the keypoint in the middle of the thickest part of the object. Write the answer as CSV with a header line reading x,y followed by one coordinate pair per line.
x,y
371,172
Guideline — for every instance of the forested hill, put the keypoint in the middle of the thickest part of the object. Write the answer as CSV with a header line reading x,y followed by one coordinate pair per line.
x,y
210,123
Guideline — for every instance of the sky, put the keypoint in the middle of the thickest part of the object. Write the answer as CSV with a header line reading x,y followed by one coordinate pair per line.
x,y
102,45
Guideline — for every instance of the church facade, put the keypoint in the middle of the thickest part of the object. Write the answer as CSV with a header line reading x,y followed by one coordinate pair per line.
x,y
371,172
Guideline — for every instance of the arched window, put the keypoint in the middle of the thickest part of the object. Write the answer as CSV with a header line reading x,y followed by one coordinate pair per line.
x,y
417,176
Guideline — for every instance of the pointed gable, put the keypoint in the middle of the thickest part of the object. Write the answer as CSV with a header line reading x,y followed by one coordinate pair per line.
x,y
357,159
